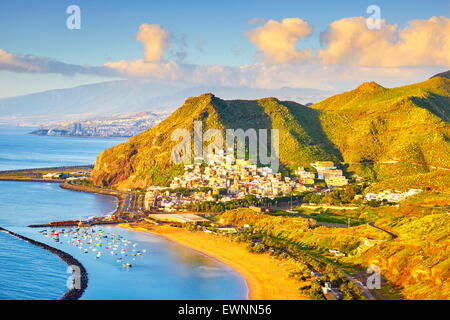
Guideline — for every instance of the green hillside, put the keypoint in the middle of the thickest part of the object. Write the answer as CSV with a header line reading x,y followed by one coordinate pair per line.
x,y
146,158
394,133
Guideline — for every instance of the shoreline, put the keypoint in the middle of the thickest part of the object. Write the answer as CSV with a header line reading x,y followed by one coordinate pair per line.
x,y
266,278
31,180
74,167
72,294
71,136
120,196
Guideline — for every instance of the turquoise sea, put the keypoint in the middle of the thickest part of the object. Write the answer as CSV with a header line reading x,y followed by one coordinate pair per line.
x,y
166,271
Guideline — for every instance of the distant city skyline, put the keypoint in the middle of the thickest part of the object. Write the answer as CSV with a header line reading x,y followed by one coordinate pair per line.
x,y
261,44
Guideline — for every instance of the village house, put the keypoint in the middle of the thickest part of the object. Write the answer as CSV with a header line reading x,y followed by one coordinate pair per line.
x,y
222,177
56,175
238,177
391,196
326,170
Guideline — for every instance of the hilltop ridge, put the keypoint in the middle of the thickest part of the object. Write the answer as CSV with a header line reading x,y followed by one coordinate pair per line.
x,y
368,87
370,124
146,158
445,74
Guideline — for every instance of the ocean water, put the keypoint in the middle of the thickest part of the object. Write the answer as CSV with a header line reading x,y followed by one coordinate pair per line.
x,y
166,271
20,150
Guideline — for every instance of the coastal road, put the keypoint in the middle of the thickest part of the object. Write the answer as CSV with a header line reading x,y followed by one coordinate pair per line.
x,y
364,289
134,203
366,292
128,207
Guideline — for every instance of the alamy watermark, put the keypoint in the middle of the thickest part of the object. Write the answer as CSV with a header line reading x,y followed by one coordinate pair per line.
x,y
374,20
374,280
74,280
251,145
73,21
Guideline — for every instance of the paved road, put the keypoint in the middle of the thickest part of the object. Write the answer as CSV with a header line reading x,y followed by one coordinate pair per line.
x,y
397,161
394,236
363,287
128,207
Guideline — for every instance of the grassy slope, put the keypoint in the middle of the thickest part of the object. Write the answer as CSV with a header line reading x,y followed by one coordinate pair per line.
x,y
371,123
418,261
378,124
407,124
146,159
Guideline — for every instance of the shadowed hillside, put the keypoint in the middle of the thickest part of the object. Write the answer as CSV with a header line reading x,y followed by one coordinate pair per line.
x,y
146,158
393,132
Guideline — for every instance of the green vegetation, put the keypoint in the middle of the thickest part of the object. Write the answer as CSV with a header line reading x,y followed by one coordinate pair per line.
x,y
393,138
249,200
372,124
417,262
260,242
343,195
146,159
341,217
240,217
367,128
304,231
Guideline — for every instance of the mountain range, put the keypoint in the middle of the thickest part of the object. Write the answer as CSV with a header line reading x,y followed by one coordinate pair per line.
x,y
379,133
124,97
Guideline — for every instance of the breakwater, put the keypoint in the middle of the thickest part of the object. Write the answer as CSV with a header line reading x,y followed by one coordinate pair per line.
x,y
74,293
31,180
77,224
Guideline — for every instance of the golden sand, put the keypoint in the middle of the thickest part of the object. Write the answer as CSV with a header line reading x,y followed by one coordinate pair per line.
x,y
267,278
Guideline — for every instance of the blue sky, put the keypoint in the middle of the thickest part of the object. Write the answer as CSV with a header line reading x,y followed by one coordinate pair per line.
x,y
109,29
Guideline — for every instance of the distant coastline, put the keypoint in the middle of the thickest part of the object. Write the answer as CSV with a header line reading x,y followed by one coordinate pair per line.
x,y
35,133
121,126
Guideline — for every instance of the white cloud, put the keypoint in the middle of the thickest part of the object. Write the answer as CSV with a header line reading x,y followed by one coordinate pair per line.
x,y
421,43
277,40
34,64
155,40
258,75
352,54
141,68
268,75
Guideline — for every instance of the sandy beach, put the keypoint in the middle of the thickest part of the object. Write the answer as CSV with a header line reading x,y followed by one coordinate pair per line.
x,y
267,278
